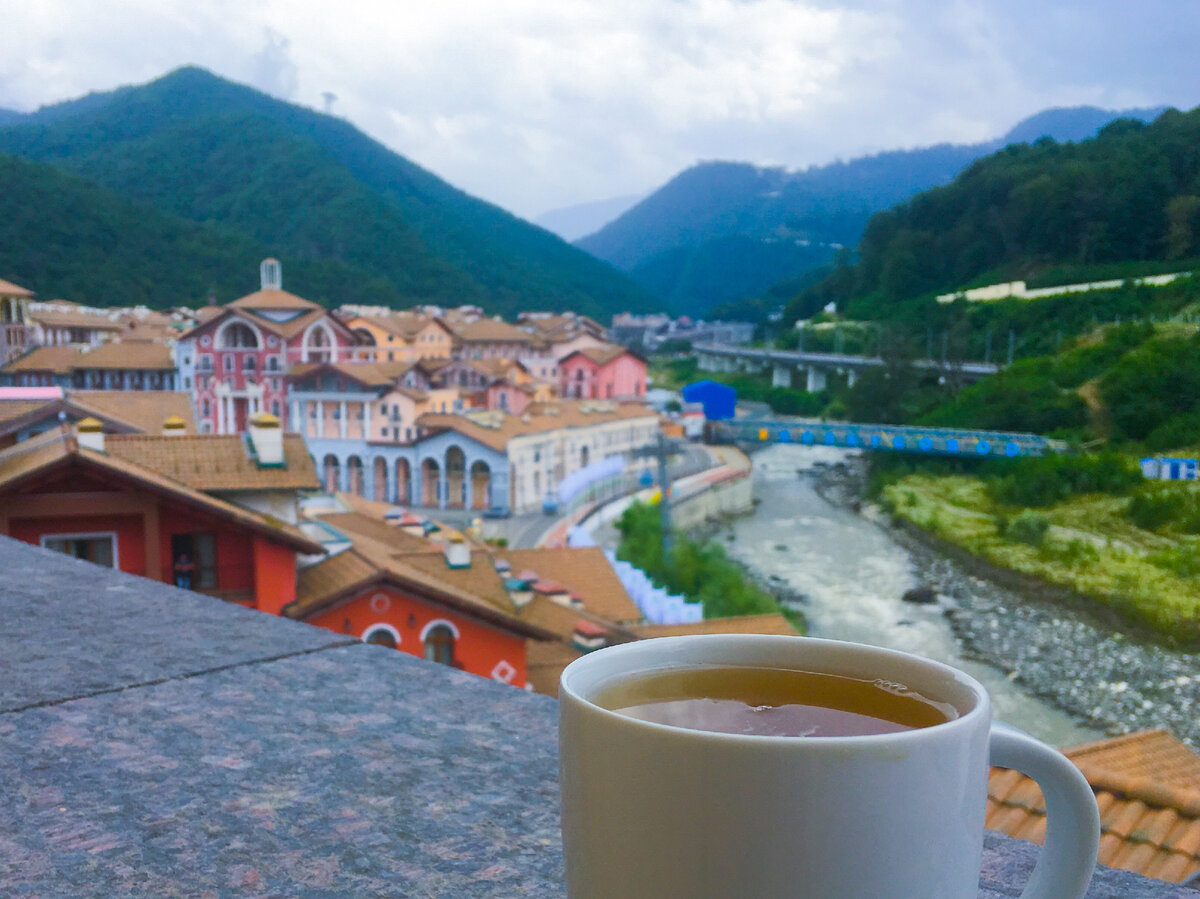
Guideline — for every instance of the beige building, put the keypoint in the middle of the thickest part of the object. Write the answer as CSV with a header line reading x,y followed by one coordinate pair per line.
x,y
385,335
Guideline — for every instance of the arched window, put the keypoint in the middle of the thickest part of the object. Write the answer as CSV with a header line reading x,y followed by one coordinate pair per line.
x,y
239,337
439,644
320,345
382,635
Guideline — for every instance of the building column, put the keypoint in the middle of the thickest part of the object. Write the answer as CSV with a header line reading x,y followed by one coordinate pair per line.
x,y
443,488
366,420
343,422
296,422
220,413
320,418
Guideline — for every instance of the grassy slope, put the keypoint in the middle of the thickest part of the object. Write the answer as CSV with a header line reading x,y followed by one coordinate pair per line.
x,y
1091,547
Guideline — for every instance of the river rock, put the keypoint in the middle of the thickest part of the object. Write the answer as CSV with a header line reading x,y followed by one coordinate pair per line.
x,y
923,595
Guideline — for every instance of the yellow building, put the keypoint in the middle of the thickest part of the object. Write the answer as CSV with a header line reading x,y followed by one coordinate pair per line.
x,y
400,337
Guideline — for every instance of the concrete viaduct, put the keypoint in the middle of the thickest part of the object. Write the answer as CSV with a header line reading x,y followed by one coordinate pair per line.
x,y
784,364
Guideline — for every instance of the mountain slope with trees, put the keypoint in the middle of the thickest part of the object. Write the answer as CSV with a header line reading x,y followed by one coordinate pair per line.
x,y
806,214
1130,195
313,187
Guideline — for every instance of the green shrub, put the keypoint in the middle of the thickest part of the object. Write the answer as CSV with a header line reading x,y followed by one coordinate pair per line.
x,y
1046,480
1028,527
1179,430
1156,506
699,571
1073,554
1182,561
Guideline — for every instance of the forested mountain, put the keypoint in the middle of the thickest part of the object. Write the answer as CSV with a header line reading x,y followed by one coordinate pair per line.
x,y
806,214
362,223
1131,194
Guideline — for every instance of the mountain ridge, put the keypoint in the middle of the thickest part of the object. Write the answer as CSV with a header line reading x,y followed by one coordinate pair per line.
x,y
821,205
442,245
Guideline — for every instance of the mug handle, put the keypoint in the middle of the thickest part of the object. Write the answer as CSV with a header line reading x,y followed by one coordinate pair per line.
x,y
1065,864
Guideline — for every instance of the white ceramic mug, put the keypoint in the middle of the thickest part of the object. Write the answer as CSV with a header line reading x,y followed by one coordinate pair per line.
x,y
662,812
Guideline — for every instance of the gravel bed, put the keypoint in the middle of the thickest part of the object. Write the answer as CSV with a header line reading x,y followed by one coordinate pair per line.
x,y
1099,675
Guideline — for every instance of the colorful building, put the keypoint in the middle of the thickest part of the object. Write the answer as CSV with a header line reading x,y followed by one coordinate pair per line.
x,y
443,601
611,372
234,362
114,365
215,514
385,335
28,411
16,327
490,338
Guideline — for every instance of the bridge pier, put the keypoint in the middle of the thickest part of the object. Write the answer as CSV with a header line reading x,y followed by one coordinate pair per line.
x,y
781,376
851,376
816,379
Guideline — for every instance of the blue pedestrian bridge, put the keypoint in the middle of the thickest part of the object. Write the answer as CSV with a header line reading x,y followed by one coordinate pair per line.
x,y
886,438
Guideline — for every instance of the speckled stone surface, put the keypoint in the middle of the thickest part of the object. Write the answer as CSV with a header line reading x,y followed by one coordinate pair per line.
x,y
82,629
221,753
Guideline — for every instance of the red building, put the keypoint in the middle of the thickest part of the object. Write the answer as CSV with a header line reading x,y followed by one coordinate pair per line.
x,y
205,512
443,601
234,362
610,372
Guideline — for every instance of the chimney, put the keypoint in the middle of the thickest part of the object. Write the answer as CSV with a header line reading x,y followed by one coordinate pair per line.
x,y
174,426
271,273
588,636
90,434
458,552
266,440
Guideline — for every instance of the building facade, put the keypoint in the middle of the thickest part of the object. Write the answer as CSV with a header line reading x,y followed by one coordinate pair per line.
x,y
235,362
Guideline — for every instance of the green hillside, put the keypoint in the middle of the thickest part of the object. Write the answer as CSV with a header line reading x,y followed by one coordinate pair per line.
x,y
1130,195
313,188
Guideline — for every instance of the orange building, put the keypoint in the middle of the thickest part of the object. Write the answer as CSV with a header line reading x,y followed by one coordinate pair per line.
x,y
209,513
443,601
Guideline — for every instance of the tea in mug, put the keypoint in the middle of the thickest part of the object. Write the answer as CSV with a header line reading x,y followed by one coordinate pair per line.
x,y
773,702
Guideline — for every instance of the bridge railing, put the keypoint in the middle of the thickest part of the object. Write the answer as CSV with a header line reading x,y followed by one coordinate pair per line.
x,y
888,438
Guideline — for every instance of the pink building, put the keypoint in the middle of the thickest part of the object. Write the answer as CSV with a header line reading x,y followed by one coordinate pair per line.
x,y
234,362
602,373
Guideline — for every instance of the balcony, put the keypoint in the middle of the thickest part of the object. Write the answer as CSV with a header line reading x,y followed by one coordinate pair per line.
x,y
157,742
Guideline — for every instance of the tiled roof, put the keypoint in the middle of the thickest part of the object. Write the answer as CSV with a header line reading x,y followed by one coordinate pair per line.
x,y
1148,789
273,299
770,623
601,355
544,663
55,448
10,409
58,359
405,324
146,410
216,461
130,354
538,418
585,571
8,289
476,590
286,330
372,374
72,318
357,524
140,354
490,330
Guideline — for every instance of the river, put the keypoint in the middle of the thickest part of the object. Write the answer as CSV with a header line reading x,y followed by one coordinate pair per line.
x,y
853,575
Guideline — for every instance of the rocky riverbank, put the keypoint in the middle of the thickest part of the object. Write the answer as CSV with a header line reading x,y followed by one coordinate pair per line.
x,y
1080,663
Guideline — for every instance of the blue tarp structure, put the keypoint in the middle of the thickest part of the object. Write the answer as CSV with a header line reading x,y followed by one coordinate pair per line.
x,y
719,400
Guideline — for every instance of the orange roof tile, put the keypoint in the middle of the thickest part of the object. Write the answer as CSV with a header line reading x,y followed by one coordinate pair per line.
x,y
216,461
273,299
58,359
495,428
57,448
146,410
1147,789
128,354
371,374
489,330
585,572
8,289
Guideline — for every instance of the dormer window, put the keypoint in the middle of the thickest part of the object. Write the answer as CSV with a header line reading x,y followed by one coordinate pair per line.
x,y
239,337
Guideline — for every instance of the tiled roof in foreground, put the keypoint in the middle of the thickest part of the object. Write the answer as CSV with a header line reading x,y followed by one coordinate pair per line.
x,y
1148,788
155,742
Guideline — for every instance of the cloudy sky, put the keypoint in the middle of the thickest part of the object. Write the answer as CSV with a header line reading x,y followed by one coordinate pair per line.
x,y
538,104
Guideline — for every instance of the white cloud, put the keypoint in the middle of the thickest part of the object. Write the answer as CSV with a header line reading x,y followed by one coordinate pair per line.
x,y
540,103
